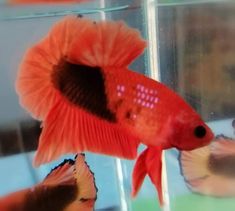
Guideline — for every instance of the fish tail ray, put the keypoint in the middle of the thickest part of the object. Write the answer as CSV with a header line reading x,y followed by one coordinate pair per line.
x,y
75,173
63,174
223,147
85,179
69,129
115,46
33,83
194,164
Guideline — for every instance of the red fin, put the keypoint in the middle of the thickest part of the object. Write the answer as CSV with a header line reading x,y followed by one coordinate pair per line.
x,y
150,161
139,173
154,166
69,129
33,83
107,43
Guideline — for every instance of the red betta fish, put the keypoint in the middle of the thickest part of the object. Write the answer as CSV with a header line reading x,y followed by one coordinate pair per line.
x,y
210,169
69,187
76,80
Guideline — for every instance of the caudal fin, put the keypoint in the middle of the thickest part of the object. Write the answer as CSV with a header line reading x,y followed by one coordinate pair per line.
x,y
194,168
149,162
209,170
74,172
194,163
223,147
76,178
87,191
85,179
63,174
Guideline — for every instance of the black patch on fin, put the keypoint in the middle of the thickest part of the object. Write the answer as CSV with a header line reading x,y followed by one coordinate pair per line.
x,y
83,86
222,166
44,198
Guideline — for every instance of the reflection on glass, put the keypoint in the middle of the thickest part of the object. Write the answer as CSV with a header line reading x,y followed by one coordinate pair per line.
x,y
198,55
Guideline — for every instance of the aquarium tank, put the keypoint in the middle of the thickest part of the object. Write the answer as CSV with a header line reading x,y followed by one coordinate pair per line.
x,y
191,49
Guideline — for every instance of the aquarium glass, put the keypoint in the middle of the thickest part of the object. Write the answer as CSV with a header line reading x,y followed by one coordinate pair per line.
x,y
197,60
190,48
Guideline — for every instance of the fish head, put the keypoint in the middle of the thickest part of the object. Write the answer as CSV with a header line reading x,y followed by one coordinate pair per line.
x,y
190,132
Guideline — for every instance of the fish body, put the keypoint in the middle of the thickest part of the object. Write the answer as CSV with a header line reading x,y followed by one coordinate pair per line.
x,y
69,187
77,81
151,111
210,170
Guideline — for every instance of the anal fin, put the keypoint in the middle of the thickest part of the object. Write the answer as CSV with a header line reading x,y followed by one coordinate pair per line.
x,y
70,129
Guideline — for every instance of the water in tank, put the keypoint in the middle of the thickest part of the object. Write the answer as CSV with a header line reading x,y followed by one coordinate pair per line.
x,y
189,48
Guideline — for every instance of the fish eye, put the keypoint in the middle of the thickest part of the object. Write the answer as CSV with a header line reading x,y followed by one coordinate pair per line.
x,y
200,131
